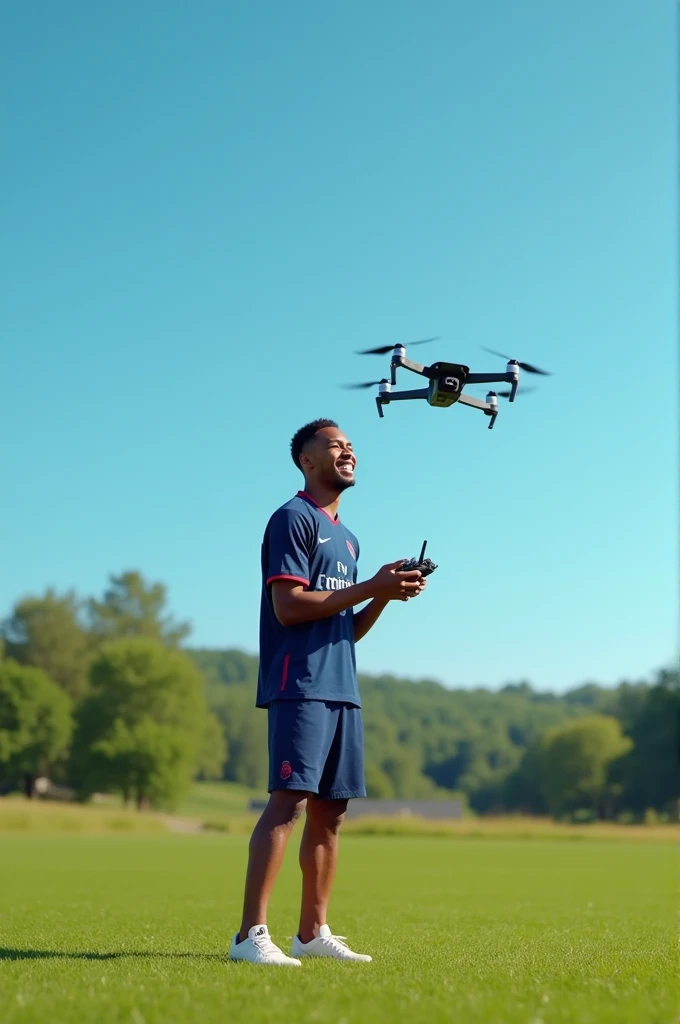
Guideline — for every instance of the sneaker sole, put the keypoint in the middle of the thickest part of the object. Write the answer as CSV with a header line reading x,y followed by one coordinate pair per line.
x,y
261,963
338,959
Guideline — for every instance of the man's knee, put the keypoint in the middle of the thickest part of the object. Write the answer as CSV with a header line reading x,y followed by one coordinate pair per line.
x,y
287,805
329,814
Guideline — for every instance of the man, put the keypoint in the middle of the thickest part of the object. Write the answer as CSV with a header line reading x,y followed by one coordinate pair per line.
x,y
308,683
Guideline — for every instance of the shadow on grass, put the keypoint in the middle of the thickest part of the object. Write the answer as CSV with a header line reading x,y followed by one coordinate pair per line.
x,y
55,954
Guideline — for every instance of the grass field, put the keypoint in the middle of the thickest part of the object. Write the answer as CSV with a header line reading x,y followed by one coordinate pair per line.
x,y
134,929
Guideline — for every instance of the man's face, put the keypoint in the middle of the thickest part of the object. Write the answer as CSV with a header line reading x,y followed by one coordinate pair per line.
x,y
328,459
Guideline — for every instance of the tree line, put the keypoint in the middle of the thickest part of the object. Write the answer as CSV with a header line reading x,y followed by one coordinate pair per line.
x,y
104,695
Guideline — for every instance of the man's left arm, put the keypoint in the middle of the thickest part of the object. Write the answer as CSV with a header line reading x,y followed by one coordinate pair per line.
x,y
368,616
366,619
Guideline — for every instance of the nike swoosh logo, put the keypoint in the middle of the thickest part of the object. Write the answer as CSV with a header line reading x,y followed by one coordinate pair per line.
x,y
322,540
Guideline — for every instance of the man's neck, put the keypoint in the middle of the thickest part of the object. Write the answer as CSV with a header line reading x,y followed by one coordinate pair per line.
x,y
327,498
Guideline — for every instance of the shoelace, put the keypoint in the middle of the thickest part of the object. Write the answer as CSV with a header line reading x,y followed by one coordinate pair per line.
x,y
337,941
265,944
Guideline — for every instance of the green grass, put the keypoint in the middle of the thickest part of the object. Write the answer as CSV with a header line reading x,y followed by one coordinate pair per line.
x,y
46,817
134,929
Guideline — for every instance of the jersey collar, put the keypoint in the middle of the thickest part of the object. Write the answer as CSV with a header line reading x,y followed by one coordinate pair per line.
x,y
310,499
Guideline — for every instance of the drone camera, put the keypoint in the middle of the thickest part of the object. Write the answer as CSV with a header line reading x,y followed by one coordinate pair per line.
x,y
444,391
446,384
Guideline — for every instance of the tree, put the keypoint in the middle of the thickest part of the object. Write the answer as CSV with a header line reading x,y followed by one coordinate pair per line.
x,y
35,723
245,729
378,783
650,774
220,668
402,767
147,762
131,607
46,632
134,682
212,750
574,763
522,787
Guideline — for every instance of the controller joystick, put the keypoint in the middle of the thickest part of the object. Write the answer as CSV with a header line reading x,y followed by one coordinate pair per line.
x,y
424,565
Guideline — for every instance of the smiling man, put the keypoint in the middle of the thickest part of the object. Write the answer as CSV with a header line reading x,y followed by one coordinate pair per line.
x,y
308,683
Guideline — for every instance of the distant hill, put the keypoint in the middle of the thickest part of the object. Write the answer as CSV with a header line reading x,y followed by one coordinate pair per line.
x,y
422,739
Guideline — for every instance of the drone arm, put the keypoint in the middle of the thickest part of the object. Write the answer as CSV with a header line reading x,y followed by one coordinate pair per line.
x,y
386,396
476,403
408,364
490,378
398,396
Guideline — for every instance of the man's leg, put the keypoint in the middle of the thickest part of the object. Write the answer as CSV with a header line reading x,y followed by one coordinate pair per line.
x,y
267,847
318,861
342,779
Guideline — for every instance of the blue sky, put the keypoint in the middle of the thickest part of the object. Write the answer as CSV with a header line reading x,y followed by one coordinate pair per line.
x,y
210,207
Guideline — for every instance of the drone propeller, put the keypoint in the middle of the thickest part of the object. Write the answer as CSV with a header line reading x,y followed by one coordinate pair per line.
x,y
363,384
523,366
522,391
384,349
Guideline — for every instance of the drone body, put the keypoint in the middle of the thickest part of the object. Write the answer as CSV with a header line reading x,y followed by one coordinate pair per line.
x,y
445,382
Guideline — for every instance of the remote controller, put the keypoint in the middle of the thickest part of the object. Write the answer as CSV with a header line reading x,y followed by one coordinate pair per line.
x,y
425,565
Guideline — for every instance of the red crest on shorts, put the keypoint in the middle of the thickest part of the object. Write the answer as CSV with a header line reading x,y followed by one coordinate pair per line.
x,y
351,550
286,770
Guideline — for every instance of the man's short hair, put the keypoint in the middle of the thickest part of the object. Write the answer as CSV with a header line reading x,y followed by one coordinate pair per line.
x,y
305,434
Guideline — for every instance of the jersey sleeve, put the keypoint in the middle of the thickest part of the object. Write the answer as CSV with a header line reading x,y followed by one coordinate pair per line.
x,y
289,545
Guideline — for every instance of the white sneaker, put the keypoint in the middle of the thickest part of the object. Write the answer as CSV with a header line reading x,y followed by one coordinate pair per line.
x,y
258,948
327,944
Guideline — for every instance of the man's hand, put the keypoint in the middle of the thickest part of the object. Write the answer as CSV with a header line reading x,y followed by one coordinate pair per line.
x,y
407,585
422,583
389,584
294,605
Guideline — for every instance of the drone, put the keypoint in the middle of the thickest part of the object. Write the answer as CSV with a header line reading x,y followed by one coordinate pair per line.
x,y
446,381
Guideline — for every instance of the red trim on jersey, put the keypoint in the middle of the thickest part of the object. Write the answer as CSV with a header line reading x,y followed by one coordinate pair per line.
x,y
284,674
283,576
303,494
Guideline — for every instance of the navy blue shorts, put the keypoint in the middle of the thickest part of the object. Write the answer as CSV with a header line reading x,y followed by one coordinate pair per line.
x,y
316,746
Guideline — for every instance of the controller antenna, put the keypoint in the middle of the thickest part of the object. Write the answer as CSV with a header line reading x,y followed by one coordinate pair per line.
x,y
422,553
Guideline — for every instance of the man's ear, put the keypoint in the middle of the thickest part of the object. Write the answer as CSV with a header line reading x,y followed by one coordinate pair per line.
x,y
305,461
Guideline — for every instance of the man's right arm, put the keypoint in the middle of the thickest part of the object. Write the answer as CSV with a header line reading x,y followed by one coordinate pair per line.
x,y
294,605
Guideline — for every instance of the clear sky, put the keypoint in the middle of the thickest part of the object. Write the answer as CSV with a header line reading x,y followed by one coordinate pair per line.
x,y
208,207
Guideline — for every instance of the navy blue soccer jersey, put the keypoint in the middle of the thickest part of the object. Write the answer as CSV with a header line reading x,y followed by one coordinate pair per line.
x,y
311,660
